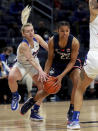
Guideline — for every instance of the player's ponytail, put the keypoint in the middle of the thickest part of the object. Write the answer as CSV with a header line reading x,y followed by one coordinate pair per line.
x,y
24,17
25,14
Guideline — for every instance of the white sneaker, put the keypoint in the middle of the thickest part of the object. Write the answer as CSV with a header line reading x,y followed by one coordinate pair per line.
x,y
74,125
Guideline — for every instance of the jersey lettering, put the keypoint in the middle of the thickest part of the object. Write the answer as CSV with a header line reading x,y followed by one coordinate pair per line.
x,y
63,55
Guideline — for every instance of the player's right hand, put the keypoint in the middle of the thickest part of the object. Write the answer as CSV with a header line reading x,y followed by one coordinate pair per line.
x,y
42,76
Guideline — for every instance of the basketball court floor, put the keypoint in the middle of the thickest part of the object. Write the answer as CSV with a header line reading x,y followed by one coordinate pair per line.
x,y
54,114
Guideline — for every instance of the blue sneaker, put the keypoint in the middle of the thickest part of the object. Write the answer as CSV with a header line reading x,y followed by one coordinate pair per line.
x,y
35,116
73,125
27,105
15,102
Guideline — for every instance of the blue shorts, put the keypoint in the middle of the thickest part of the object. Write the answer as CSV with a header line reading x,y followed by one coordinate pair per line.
x,y
55,70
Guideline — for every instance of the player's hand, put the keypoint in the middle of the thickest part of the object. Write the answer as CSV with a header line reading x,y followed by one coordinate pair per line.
x,y
42,76
59,80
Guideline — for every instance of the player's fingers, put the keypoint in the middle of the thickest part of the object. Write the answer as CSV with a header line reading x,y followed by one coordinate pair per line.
x,y
39,78
58,82
45,78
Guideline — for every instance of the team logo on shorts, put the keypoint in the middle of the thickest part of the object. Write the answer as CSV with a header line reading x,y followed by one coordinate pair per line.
x,y
68,49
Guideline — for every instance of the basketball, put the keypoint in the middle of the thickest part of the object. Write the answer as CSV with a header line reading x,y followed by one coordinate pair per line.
x,y
50,85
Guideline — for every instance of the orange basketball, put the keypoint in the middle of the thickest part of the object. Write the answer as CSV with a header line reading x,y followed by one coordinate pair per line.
x,y
50,87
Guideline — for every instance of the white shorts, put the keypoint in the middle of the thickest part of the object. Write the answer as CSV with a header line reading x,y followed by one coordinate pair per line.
x,y
91,64
25,69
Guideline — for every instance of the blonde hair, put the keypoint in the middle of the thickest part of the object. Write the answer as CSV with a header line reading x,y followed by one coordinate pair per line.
x,y
27,24
24,17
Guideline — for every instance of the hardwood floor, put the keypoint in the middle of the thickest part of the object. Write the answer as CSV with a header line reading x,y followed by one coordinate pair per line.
x,y
54,114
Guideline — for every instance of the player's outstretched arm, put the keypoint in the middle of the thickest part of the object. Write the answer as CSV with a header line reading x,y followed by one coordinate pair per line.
x,y
27,53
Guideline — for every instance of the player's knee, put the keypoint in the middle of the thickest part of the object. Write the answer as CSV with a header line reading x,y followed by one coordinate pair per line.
x,y
83,89
75,82
11,78
40,87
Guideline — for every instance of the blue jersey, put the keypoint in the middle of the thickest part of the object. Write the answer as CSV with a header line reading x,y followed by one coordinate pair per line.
x,y
62,56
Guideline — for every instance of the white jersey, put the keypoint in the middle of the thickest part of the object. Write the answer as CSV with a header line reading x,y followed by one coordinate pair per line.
x,y
94,34
22,59
23,64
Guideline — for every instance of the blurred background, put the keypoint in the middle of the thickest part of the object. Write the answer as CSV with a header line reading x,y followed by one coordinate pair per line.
x,y
44,16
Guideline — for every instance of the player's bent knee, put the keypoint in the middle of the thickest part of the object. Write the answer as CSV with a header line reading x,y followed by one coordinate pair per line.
x,y
11,78
40,87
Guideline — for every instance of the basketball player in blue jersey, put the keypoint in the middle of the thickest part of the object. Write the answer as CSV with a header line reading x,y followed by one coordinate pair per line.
x,y
90,68
62,57
28,63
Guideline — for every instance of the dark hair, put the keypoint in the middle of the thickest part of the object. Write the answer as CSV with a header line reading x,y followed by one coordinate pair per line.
x,y
7,49
63,23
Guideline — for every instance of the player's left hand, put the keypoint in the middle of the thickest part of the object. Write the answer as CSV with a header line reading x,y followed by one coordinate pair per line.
x,y
59,77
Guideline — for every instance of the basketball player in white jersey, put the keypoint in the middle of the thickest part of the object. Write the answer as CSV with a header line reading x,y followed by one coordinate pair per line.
x,y
28,63
90,68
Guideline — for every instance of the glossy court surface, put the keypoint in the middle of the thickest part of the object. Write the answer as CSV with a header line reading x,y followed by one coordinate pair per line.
x,y
54,114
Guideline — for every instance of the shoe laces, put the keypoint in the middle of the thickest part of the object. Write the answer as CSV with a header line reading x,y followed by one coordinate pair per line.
x,y
15,98
74,123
